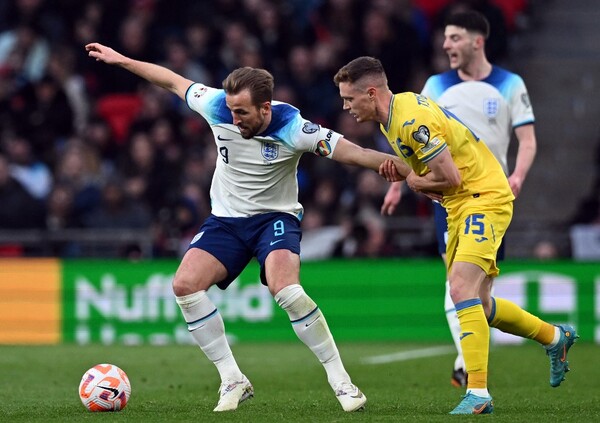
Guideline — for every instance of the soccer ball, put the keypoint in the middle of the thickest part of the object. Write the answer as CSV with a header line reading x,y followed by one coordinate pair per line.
x,y
104,387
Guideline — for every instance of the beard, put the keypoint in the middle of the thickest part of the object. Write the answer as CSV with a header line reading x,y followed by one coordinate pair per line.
x,y
248,132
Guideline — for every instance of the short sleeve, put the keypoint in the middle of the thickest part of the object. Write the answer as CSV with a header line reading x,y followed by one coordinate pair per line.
x,y
307,136
209,103
521,110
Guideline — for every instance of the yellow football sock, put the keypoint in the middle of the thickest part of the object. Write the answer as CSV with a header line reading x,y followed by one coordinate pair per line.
x,y
510,318
475,341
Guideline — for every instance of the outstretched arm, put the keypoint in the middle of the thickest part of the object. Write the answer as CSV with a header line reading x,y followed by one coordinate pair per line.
x,y
349,153
155,74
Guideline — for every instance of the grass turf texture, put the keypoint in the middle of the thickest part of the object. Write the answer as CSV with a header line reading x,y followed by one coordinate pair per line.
x,y
177,383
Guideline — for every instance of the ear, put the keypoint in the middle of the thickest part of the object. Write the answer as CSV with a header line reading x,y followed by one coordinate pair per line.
x,y
479,41
372,93
265,108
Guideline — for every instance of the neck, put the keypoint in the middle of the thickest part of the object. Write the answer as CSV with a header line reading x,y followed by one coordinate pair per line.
x,y
475,70
266,123
382,110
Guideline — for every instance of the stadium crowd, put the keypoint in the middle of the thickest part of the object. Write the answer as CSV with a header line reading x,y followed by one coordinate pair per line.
x,y
86,145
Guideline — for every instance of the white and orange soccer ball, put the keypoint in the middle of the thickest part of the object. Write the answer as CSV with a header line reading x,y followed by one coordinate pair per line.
x,y
104,387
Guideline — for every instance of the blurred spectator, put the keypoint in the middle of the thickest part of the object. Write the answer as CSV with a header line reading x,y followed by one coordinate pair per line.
x,y
379,39
146,179
98,136
315,93
236,41
545,250
338,22
79,169
60,213
44,13
132,41
20,210
42,111
33,174
178,59
24,53
117,211
365,236
274,33
61,66
201,40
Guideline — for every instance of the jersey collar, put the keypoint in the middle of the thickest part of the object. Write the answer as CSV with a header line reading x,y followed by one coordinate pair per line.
x,y
391,108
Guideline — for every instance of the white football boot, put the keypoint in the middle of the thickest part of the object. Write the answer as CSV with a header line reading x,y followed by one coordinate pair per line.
x,y
350,397
233,393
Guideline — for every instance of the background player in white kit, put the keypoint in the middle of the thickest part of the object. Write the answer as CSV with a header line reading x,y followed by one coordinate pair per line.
x,y
255,213
492,102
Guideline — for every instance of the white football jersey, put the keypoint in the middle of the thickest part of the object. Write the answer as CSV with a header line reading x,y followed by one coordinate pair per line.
x,y
491,108
258,175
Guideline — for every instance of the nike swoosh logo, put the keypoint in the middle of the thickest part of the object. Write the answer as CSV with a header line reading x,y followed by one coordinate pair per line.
x,y
224,139
481,407
275,242
310,323
408,122
113,390
465,334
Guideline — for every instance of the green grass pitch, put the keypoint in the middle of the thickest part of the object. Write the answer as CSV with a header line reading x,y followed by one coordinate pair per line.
x,y
177,383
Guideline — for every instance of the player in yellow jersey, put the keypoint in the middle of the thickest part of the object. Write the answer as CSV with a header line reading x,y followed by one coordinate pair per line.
x,y
452,165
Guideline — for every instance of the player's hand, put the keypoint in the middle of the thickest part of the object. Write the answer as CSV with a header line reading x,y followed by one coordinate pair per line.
x,y
412,181
515,183
104,54
388,170
392,199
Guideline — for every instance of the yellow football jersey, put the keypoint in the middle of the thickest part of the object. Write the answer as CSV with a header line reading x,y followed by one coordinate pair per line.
x,y
418,130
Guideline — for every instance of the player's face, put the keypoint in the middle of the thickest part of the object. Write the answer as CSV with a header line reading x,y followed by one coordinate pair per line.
x,y
357,101
250,119
459,45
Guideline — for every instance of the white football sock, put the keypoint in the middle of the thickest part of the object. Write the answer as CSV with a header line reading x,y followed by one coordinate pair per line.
x,y
310,326
454,326
206,326
555,339
480,392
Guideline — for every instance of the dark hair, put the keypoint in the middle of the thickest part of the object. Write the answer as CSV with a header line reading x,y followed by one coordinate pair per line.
x,y
359,68
470,20
259,82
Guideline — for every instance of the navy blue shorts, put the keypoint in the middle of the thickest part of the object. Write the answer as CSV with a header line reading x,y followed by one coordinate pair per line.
x,y
441,230
234,241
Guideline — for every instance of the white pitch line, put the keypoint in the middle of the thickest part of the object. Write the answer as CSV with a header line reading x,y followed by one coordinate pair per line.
x,y
409,355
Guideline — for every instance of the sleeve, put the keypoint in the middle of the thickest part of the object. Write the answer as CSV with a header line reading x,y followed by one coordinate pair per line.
x,y
521,112
425,137
428,90
209,103
311,137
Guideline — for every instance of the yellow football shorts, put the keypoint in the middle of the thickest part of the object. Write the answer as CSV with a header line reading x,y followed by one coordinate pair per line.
x,y
475,232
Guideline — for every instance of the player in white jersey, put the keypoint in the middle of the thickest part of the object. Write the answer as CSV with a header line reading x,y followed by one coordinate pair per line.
x,y
255,213
493,103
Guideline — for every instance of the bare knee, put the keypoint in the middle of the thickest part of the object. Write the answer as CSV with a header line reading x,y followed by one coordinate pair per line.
x,y
197,271
184,285
465,281
282,268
